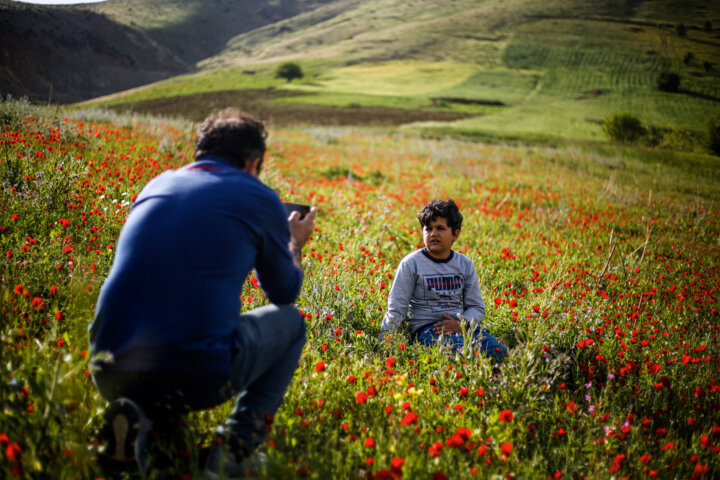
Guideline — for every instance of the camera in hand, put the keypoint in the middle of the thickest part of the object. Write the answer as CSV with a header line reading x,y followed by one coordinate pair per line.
x,y
297,207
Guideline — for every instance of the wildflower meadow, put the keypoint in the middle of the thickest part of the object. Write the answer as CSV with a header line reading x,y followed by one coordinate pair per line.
x,y
599,268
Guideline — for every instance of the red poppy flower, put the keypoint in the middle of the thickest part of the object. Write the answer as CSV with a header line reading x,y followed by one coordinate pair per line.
x,y
506,416
409,418
506,449
465,433
455,441
13,451
435,449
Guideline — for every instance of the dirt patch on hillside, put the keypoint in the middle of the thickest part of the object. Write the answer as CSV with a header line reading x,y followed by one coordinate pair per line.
x,y
593,93
264,104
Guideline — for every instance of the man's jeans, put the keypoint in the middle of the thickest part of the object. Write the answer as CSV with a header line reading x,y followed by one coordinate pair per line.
x,y
269,340
481,341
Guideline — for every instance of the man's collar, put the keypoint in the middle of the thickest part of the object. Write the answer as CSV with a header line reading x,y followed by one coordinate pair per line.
x,y
217,159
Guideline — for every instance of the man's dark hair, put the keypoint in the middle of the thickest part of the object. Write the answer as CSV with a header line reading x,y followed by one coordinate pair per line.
x,y
231,134
446,209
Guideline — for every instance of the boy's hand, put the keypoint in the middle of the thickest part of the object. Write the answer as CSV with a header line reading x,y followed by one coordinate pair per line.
x,y
447,326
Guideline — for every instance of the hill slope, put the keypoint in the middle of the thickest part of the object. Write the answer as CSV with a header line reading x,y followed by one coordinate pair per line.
x,y
72,54
462,30
518,68
510,69
197,29
84,51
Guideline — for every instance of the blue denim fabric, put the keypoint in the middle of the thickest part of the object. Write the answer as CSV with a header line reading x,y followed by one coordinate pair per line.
x,y
483,342
268,342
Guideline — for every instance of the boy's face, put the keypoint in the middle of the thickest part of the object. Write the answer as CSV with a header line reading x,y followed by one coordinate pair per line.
x,y
439,238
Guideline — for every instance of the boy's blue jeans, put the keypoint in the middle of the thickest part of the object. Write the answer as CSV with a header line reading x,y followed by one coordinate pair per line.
x,y
269,340
483,342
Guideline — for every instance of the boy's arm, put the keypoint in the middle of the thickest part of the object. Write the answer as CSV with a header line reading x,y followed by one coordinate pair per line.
x,y
473,305
399,298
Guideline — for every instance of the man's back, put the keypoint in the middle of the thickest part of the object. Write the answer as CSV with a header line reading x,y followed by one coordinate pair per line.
x,y
172,297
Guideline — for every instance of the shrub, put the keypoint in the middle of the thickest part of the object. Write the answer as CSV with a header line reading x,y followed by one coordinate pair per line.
x,y
675,138
668,82
623,127
707,65
653,135
712,134
679,139
289,71
707,26
13,112
688,58
681,29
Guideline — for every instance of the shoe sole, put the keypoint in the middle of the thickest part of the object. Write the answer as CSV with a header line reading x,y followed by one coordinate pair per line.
x,y
124,426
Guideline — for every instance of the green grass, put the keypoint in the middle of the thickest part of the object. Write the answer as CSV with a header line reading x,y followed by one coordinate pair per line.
x,y
406,78
598,265
262,77
580,87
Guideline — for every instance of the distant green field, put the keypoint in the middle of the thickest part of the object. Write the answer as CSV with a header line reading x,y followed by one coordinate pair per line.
x,y
544,78
575,94
405,78
215,80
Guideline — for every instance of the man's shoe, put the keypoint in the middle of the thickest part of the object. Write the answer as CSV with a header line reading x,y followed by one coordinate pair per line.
x,y
124,436
223,464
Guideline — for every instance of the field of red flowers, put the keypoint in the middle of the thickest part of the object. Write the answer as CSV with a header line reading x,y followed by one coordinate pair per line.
x,y
600,275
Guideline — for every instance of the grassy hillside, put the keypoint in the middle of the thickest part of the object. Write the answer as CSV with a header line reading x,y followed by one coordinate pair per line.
x,y
197,29
76,52
520,69
474,31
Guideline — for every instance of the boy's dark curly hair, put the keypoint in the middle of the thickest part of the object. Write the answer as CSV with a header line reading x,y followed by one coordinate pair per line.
x,y
231,134
446,209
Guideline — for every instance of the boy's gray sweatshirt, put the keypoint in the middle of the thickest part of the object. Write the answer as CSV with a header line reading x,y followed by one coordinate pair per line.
x,y
425,288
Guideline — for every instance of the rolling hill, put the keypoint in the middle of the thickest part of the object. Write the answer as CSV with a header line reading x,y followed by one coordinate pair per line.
x,y
481,69
508,69
78,52
65,54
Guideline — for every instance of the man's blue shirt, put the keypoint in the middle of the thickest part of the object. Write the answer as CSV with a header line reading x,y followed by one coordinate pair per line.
x,y
171,299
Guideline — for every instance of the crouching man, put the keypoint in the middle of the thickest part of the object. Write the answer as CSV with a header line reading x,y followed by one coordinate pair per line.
x,y
168,333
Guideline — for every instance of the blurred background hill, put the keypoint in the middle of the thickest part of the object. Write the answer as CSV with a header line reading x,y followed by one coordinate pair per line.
x,y
483,69
77,52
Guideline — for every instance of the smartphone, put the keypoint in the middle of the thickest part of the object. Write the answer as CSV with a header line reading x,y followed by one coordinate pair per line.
x,y
297,207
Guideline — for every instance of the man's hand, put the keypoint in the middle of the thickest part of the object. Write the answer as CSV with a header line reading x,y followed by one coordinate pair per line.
x,y
447,326
300,231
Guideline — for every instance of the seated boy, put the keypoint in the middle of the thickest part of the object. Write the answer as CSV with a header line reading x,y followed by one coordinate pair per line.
x,y
438,286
